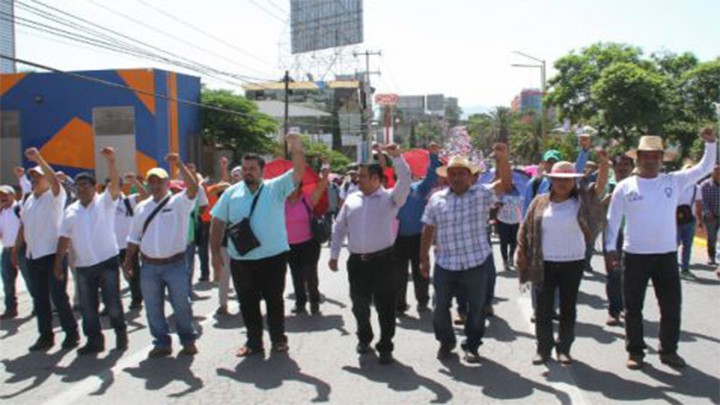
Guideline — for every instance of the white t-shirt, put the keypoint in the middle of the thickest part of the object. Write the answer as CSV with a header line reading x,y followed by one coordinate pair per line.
x,y
167,234
123,219
41,218
649,207
9,225
91,229
562,238
686,198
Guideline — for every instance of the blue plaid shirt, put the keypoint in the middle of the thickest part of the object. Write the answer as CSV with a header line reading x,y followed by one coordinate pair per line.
x,y
710,191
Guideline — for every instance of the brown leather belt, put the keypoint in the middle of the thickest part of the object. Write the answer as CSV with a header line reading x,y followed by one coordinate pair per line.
x,y
160,262
367,257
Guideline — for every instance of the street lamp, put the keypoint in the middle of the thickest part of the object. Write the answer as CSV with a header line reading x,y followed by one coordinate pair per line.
x,y
543,86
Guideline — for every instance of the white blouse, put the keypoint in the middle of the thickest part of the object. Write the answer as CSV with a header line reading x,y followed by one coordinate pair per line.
x,y
562,238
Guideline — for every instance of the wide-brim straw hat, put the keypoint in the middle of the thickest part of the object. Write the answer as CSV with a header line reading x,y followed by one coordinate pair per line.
x,y
652,143
563,170
459,162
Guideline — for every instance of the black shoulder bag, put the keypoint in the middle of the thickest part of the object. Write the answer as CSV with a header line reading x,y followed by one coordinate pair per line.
x,y
154,213
319,227
241,233
684,212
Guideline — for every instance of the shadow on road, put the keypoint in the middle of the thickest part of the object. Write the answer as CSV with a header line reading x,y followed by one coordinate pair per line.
x,y
399,377
159,373
269,373
315,323
12,326
85,366
36,367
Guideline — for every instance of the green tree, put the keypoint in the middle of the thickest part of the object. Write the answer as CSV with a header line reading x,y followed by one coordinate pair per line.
x,y
318,152
426,132
491,127
247,131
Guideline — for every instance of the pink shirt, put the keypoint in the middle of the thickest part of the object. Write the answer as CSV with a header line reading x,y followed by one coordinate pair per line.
x,y
297,221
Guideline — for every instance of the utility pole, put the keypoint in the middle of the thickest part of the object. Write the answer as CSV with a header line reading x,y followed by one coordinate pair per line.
x,y
368,97
286,123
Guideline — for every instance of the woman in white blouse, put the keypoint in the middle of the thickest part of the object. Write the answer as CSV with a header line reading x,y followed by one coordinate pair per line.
x,y
551,251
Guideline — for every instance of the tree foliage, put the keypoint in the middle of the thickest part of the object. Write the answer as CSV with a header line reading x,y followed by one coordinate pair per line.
x,y
248,131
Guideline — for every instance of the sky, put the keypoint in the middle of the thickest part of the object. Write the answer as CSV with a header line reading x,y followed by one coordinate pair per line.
x,y
461,48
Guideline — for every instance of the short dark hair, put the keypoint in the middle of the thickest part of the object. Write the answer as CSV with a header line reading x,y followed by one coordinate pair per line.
x,y
86,176
374,169
254,156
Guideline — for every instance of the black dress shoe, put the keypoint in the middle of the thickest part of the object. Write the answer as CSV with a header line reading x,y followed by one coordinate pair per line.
x,y
314,308
135,304
298,309
71,342
121,341
9,314
386,358
43,343
363,348
90,348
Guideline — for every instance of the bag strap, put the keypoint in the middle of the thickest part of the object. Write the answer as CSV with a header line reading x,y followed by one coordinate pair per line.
x,y
16,210
128,207
154,213
255,200
309,208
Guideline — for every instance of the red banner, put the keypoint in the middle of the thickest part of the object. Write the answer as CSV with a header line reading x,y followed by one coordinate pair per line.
x,y
310,180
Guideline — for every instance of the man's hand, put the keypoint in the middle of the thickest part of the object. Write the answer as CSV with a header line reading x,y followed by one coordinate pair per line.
x,y
333,264
32,154
393,150
127,269
708,134
224,162
18,171
425,267
585,142
217,265
293,140
108,153
58,271
172,158
612,260
61,176
433,148
500,151
602,155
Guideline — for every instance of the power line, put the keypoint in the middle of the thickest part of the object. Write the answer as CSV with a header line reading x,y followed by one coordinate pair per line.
x,y
201,31
275,5
268,12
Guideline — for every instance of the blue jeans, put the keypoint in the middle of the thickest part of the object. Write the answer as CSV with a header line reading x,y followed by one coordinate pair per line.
x,y
685,236
9,275
45,286
104,277
154,279
472,285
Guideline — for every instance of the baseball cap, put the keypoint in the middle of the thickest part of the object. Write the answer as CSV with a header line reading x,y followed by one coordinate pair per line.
x,y
158,172
5,189
552,154
37,170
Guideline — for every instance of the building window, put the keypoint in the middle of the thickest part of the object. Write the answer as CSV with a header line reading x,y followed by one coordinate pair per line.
x,y
114,121
9,124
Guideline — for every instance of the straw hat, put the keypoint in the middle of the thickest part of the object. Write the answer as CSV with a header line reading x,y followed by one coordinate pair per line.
x,y
652,143
459,162
563,170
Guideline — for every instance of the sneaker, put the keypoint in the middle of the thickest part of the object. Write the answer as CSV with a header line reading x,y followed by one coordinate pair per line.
x,y
363,348
189,350
222,310
635,362
612,321
9,314
460,320
43,343
121,341
540,359
71,342
386,358
673,360
564,358
158,352
472,357
444,352
91,348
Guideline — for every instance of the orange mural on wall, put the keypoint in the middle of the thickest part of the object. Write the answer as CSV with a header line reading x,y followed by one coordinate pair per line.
x,y
71,146
144,80
144,162
8,81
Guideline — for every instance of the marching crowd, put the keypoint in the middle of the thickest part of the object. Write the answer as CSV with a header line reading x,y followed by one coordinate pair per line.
x,y
248,229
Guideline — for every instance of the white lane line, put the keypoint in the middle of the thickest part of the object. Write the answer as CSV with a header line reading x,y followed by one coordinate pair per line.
x,y
577,397
83,388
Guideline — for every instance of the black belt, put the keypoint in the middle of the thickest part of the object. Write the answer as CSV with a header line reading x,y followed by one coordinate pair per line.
x,y
164,261
367,257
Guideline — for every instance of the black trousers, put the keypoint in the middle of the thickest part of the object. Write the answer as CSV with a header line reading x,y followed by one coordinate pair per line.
x,y
508,240
374,281
565,277
134,281
202,241
46,286
303,260
407,249
662,269
256,280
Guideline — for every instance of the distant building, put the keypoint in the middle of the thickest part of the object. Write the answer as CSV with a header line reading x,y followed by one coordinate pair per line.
x,y
70,119
528,100
7,35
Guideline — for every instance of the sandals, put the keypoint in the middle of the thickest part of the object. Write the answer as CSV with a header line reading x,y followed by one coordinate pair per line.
x,y
246,351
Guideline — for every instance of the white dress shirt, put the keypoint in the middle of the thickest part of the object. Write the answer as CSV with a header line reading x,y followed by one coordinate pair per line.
x,y
41,218
167,234
9,225
649,207
91,229
123,219
367,219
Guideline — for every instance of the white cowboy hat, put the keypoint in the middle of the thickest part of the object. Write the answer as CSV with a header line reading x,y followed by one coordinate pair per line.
x,y
563,170
652,143
457,162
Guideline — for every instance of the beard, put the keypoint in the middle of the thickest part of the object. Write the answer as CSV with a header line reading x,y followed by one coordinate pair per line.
x,y
250,182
